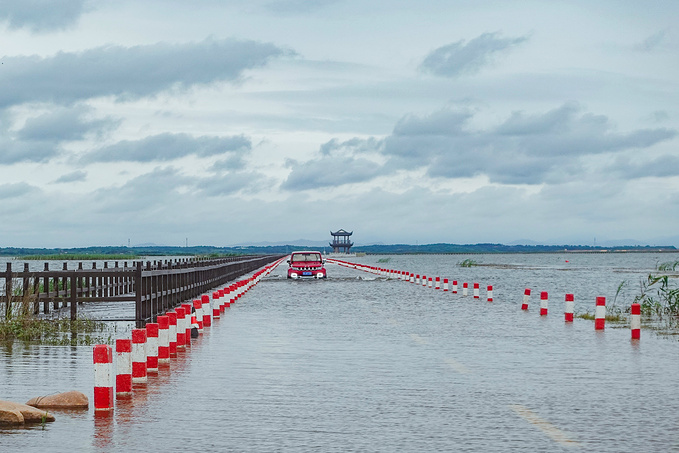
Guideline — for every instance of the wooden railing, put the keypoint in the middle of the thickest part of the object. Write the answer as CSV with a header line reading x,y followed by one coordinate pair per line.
x,y
154,287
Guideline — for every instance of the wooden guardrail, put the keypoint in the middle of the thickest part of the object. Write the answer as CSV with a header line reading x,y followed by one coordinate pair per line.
x,y
154,287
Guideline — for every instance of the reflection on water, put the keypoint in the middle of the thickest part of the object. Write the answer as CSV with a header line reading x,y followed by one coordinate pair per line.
x,y
351,364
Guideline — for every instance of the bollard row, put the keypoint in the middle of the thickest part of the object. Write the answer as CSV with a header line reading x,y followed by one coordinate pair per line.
x,y
159,342
600,307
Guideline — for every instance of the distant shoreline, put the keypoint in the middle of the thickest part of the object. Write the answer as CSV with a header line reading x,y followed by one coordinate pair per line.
x,y
121,253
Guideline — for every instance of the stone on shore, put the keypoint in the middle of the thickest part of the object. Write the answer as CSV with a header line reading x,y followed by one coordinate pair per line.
x,y
17,414
66,400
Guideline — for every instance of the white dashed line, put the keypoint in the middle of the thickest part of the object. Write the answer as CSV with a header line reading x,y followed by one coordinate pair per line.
x,y
457,366
552,431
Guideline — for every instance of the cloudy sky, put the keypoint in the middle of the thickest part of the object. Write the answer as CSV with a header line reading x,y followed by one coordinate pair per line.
x,y
229,122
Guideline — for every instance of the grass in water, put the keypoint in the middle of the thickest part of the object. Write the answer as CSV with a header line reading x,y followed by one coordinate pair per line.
x,y
384,260
468,263
58,332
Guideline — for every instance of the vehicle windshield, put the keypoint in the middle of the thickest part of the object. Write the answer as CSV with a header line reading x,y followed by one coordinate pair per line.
x,y
306,257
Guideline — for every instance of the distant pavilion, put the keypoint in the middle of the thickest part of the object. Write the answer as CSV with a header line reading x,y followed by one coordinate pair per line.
x,y
340,241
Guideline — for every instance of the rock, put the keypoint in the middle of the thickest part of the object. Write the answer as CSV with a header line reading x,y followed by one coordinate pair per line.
x,y
66,400
10,416
29,414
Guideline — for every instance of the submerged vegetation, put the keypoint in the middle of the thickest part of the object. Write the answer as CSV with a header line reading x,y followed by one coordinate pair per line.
x,y
658,297
60,332
468,263
20,323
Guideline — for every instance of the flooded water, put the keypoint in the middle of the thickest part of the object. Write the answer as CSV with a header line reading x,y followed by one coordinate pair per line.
x,y
361,363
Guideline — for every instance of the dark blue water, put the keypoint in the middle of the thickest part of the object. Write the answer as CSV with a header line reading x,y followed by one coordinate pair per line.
x,y
361,363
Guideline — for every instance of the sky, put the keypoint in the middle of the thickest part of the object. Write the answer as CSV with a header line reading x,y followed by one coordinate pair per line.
x,y
223,122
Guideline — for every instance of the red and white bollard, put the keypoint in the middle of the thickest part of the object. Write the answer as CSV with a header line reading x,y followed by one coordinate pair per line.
x,y
215,304
568,308
222,305
454,286
544,303
438,283
490,293
600,314
445,284
197,304
526,299
207,310
417,279
103,377
424,280
635,321
181,329
412,278
163,339
430,282
187,323
139,356
123,367
173,332
477,290
465,289
152,347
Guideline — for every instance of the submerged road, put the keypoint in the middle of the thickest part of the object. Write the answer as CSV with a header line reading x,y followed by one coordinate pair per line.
x,y
361,363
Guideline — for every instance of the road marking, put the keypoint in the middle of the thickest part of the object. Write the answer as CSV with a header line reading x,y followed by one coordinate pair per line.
x,y
418,339
457,366
552,431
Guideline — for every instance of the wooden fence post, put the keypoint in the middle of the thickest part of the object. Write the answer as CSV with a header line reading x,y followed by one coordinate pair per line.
x,y
74,295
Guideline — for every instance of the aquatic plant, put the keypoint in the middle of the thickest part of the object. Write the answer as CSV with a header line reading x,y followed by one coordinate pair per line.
x,y
468,263
384,260
668,266
658,297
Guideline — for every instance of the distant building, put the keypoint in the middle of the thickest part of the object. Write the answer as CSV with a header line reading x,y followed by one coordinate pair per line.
x,y
340,241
